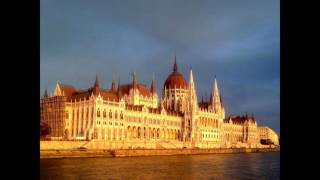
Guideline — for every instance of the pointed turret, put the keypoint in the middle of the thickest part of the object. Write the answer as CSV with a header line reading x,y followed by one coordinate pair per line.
x,y
45,95
175,66
57,90
191,76
134,81
153,87
96,87
216,103
96,83
113,86
192,91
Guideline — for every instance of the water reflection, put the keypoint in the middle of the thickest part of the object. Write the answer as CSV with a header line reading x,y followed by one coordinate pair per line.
x,y
219,166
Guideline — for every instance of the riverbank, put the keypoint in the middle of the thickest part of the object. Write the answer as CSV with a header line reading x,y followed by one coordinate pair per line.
x,y
46,154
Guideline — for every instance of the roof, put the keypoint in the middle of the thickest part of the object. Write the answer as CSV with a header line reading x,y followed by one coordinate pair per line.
x,y
144,91
204,105
67,90
239,119
175,79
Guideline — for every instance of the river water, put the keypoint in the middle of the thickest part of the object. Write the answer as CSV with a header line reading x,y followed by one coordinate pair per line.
x,y
216,166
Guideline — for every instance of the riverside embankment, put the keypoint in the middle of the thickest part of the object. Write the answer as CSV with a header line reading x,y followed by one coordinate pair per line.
x,y
44,154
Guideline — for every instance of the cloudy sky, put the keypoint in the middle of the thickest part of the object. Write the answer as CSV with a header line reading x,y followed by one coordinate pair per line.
x,y
238,41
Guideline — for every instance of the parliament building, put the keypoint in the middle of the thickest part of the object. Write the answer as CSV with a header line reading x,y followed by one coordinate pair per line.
x,y
134,116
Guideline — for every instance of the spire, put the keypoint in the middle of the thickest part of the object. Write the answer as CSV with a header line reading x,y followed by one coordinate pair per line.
x,y
191,76
119,88
119,84
216,103
96,87
192,91
175,66
96,83
57,90
134,80
215,89
113,86
45,93
153,88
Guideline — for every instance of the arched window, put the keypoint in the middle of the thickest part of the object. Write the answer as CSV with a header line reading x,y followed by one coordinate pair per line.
x,y
87,114
92,113
98,113
121,115
77,114
116,115
104,113
82,111
110,114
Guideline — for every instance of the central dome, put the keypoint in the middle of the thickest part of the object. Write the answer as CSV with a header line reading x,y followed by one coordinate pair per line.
x,y
175,79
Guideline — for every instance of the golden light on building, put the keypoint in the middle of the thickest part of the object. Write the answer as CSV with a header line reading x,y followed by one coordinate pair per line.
x,y
132,115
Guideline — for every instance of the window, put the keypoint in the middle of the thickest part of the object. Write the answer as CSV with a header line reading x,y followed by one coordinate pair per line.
x,y
121,115
116,115
87,114
67,115
104,114
82,111
98,113
92,113
110,114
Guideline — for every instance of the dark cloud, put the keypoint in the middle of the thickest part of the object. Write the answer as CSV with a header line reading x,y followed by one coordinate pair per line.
x,y
236,40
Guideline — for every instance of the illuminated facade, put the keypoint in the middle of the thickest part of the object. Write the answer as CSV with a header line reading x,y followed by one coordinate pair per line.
x,y
266,133
133,114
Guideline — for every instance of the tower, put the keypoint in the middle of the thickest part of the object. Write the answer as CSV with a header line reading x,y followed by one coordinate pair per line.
x,y
113,86
190,118
175,90
45,93
193,100
96,87
215,101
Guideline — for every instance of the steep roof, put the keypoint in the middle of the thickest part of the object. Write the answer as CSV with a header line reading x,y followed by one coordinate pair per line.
x,y
144,91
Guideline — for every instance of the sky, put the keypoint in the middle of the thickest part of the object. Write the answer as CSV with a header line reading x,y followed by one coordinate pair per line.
x,y
238,41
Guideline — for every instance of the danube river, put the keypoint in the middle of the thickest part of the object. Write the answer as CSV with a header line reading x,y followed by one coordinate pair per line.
x,y
215,166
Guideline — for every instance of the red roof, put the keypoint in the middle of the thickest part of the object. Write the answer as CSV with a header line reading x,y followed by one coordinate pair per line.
x,y
144,91
67,90
176,79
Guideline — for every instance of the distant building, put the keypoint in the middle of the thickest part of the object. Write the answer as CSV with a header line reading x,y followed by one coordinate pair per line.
x,y
267,134
133,114
240,129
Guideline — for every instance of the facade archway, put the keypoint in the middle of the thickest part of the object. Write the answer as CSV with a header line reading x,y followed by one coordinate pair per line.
x,y
139,132
158,133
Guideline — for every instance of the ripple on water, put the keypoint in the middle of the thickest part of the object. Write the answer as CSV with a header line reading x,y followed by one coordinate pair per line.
x,y
216,166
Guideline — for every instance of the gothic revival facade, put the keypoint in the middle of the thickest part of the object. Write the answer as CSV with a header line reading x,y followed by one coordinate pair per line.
x,y
133,115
